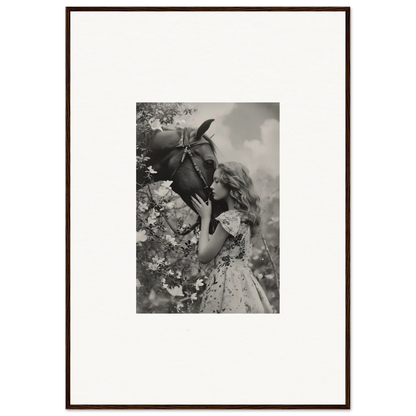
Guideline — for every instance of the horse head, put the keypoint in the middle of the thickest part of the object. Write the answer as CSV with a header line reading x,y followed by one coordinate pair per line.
x,y
187,157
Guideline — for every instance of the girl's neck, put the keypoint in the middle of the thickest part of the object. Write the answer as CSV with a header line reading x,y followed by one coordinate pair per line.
x,y
230,202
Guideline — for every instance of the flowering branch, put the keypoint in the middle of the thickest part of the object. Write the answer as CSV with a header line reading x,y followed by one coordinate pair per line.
x,y
276,275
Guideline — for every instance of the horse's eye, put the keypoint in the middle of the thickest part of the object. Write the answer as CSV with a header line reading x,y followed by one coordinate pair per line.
x,y
209,163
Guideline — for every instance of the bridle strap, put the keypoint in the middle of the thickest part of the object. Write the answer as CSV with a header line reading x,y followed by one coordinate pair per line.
x,y
187,151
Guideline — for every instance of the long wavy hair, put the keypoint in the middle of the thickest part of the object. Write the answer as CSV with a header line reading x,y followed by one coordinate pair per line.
x,y
235,177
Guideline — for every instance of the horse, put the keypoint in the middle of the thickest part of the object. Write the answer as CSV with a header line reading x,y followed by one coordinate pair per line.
x,y
187,157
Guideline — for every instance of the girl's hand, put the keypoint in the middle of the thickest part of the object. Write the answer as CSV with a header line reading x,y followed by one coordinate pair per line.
x,y
203,210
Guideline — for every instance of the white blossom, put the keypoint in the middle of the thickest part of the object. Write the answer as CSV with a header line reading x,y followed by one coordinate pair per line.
x,y
151,221
142,206
141,236
152,266
166,184
158,260
162,191
151,170
180,124
142,158
171,240
153,213
199,283
175,291
170,205
155,124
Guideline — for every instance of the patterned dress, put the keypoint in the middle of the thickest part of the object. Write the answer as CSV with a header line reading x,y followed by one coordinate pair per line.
x,y
232,287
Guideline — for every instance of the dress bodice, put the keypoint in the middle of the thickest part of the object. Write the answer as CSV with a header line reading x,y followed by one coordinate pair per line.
x,y
231,286
237,247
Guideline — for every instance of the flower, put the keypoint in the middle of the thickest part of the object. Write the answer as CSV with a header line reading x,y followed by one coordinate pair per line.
x,y
260,276
151,170
155,124
194,240
141,236
184,227
178,274
180,124
142,158
152,266
170,205
199,283
179,305
194,297
175,291
151,221
153,213
170,273
142,206
166,184
269,276
171,240
162,191
158,260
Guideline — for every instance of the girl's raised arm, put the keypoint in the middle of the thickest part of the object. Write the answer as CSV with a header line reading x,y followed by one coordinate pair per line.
x,y
208,249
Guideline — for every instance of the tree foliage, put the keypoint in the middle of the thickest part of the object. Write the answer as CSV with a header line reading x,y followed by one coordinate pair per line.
x,y
169,277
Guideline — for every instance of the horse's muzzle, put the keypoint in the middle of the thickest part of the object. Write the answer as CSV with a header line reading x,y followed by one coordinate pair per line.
x,y
210,194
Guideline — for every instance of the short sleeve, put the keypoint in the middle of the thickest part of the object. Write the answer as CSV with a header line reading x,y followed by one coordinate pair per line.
x,y
230,221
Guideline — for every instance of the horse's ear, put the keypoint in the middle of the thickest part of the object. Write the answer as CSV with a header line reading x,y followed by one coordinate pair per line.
x,y
203,128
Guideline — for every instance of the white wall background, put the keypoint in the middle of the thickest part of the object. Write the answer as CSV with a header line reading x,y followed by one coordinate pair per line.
x,y
303,347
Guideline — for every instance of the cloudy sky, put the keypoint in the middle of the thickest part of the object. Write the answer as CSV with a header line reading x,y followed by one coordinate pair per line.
x,y
244,132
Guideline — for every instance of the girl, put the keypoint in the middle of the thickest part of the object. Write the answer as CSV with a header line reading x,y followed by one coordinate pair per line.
x,y
231,287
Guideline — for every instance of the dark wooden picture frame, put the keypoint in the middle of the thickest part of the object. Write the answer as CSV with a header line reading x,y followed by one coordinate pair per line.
x,y
350,401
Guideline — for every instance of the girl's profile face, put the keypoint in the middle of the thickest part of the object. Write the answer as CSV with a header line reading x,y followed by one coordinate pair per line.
x,y
219,191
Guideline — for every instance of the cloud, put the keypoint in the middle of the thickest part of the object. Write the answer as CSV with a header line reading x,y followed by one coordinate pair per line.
x,y
261,152
264,153
207,111
217,111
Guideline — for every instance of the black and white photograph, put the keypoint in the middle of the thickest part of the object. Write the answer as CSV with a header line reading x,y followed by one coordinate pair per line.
x,y
232,127
207,205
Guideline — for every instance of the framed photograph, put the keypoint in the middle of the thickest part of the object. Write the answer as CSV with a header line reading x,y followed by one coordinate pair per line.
x,y
234,125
